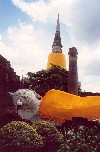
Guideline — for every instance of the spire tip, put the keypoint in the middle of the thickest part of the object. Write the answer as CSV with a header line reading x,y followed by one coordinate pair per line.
x,y
58,25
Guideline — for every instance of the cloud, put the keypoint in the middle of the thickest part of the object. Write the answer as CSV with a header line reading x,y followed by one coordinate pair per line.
x,y
37,10
81,16
91,83
88,67
92,68
85,21
6,51
25,49
46,12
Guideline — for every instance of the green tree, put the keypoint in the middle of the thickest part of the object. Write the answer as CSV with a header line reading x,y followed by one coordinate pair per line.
x,y
51,136
19,137
54,78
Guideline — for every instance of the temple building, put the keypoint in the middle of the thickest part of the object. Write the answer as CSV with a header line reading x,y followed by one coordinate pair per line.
x,y
9,80
58,58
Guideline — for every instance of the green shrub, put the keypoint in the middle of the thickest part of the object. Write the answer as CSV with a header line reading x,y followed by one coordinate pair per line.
x,y
84,140
51,136
19,137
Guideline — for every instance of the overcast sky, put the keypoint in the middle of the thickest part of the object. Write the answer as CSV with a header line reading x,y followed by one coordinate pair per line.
x,y
27,29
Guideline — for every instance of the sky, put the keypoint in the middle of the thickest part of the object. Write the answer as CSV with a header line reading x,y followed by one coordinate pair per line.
x,y
27,30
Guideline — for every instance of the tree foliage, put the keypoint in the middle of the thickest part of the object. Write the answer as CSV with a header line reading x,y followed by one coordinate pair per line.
x,y
44,80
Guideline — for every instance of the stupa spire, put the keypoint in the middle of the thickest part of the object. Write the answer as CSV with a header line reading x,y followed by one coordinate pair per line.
x,y
58,25
56,47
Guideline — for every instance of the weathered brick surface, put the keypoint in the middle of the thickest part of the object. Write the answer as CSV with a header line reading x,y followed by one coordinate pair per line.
x,y
9,80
